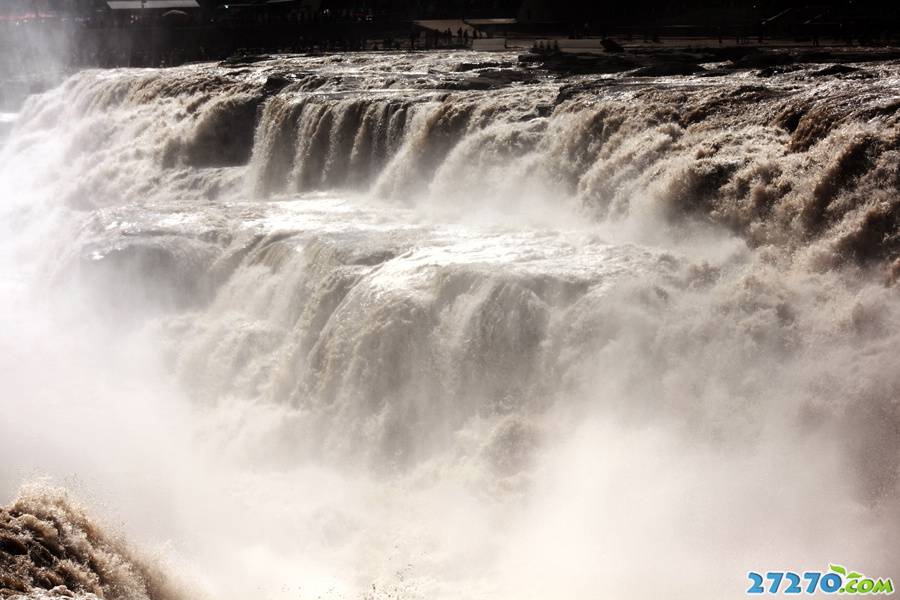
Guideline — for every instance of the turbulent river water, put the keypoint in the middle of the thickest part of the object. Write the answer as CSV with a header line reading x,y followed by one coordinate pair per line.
x,y
445,326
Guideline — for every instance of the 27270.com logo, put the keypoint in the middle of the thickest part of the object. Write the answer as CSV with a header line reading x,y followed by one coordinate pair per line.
x,y
837,580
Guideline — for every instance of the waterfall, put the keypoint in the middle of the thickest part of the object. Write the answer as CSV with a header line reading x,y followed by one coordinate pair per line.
x,y
435,326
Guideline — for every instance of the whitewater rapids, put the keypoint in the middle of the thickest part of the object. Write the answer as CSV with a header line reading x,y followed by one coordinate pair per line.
x,y
447,326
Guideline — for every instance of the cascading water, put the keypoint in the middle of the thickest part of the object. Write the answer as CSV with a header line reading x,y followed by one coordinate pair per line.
x,y
440,326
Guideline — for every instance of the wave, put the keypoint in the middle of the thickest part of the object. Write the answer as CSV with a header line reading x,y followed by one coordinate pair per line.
x,y
50,548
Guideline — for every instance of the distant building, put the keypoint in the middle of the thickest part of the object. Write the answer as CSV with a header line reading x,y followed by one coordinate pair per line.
x,y
140,5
